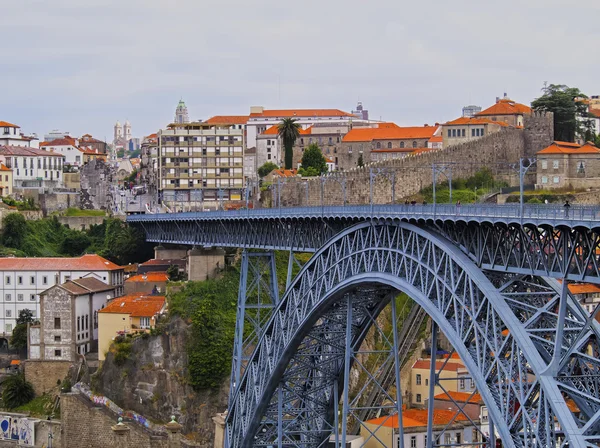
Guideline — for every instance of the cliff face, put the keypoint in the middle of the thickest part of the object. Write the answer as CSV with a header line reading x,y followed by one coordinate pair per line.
x,y
153,383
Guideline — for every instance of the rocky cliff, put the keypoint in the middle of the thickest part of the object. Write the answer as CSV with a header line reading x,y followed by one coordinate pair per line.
x,y
152,382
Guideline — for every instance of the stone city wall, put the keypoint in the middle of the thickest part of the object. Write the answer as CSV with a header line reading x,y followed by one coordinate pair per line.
x,y
45,375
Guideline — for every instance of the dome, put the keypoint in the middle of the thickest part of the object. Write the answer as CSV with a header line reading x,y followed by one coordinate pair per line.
x,y
117,124
127,123
181,105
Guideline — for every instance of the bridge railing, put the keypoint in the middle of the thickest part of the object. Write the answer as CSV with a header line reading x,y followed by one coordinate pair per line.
x,y
430,211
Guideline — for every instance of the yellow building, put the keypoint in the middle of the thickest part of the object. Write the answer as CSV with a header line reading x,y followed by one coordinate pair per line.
x,y
6,180
128,314
454,376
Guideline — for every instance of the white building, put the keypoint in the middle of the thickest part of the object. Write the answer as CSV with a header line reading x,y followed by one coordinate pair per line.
x,y
23,279
68,147
10,134
69,319
33,168
55,134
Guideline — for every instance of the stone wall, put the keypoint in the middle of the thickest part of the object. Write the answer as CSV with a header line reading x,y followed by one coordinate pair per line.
x,y
52,202
45,375
96,181
204,264
539,131
81,222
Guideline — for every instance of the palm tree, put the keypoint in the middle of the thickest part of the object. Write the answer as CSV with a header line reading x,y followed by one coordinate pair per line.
x,y
289,131
16,391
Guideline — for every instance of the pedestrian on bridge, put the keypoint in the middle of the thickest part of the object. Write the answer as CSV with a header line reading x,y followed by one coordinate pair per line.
x,y
458,207
567,206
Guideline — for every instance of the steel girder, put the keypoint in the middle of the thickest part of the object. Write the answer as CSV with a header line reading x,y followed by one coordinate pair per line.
x,y
524,248
503,328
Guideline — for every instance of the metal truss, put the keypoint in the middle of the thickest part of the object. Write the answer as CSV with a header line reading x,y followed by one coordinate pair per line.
x,y
535,241
530,348
257,296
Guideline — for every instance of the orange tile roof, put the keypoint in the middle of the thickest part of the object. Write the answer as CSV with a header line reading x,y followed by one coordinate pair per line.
x,y
274,130
228,119
6,124
3,167
473,121
570,148
148,278
505,107
417,417
290,113
459,397
450,366
89,262
420,150
15,362
389,133
285,173
436,139
593,112
584,288
136,305
65,141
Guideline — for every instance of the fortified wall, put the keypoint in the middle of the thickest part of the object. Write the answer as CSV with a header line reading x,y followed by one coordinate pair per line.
x,y
407,176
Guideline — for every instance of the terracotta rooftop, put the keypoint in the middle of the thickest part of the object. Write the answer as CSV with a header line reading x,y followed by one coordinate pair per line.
x,y
418,417
505,107
10,150
389,131
65,141
584,288
148,278
136,305
3,167
228,119
459,397
436,139
474,121
85,286
6,124
155,262
274,130
449,367
85,263
570,148
306,113
284,173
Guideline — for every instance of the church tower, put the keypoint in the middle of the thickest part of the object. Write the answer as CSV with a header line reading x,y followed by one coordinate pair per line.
x,y
127,130
181,113
118,132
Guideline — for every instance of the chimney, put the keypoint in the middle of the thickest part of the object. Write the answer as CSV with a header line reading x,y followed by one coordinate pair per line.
x,y
497,99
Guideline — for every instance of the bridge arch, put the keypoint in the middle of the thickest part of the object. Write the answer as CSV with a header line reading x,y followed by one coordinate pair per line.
x,y
371,260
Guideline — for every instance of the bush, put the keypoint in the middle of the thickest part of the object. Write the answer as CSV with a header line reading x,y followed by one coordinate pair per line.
x,y
122,352
266,169
16,391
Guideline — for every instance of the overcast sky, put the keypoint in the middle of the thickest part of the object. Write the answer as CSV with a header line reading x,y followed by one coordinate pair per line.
x,y
80,65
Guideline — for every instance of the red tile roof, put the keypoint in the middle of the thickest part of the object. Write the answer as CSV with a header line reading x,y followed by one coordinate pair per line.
x,y
3,167
274,130
284,173
136,305
418,417
148,278
474,121
306,113
584,288
6,124
26,151
389,133
459,397
593,112
65,141
228,119
436,139
87,263
570,148
450,366
505,107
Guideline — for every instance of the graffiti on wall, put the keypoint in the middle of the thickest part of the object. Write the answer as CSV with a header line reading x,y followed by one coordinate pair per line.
x,y
19,429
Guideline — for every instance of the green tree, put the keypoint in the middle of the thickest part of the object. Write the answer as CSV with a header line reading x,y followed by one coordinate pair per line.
x,y
25,317
360,161
174,274
289,131
18,339
124,244
15,230
308,172
313,158
571,115
120,153
267,168
75,243
598,141
16,391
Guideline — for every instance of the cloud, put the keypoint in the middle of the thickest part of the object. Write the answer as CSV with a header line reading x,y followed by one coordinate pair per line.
x,y
81,65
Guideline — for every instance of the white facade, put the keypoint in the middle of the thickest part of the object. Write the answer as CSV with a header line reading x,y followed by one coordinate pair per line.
x,y
10,134
33,167
21,282
69,149
268,150
451,437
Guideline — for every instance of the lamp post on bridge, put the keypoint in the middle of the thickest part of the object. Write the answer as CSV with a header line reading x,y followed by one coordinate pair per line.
x,y
446,170
524,165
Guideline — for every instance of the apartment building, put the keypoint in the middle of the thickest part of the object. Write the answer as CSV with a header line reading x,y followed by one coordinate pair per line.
x,y
22,280
32,167
200,163
565,164
69,319
10,134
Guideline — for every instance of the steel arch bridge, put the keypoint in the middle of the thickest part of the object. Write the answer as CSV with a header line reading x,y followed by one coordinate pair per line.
x,y
487,280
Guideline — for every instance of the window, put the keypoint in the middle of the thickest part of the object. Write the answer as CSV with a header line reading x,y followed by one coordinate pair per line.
x,y
7,280
56,338
544,164
389,145
581,167
544,179
415,144
144,322
418,399
331,140
32,280
378,145
20,297
87,322
458,438
461,384
418,379
20,280
57,323
463,132
413,442
7,297
472,384
401,144
8,328
349,149
556,179
426,381
32,297
57,353
44,280
473,132
78,323
8,313
449,133
555,164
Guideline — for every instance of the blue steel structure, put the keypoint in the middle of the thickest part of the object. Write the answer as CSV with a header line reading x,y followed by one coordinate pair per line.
x,y
488,277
